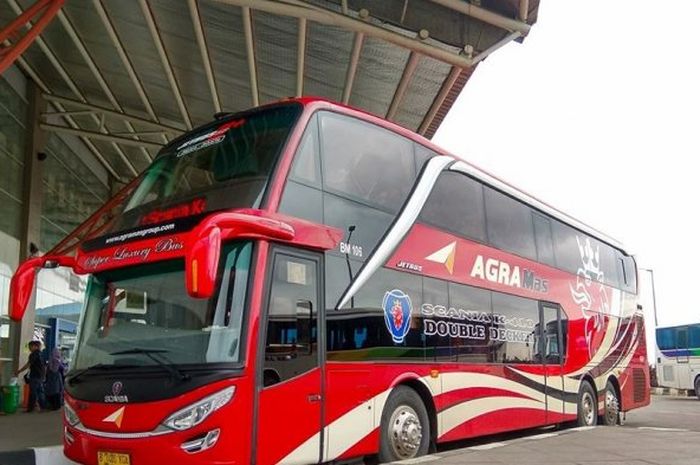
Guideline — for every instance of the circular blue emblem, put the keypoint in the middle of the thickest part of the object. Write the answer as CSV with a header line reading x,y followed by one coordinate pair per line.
x,y
397,314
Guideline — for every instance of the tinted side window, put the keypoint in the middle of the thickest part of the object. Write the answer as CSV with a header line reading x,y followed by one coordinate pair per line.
x,y
362,331
291,345
435,296
543,239
630,273
509,224
694,336
666,338
553,342
608,263
423,154
470,312
338,272
572,248
366,162
515,326
307,165
566,247
681,338
626,272
456,204
369,223
302,201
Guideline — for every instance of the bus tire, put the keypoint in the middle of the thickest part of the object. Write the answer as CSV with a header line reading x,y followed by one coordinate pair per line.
x,y
611,413
697,387
587,405
405,428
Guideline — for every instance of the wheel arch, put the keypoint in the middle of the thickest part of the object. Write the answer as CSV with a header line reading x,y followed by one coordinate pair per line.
x,y
426,396
588,379
612,379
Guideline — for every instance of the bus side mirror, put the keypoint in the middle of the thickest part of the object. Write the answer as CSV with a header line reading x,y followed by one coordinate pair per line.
x,y
22,283
22,286
201,264
204,251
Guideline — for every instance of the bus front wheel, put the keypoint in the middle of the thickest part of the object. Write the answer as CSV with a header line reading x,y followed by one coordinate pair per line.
x,y
697,387
587,405
405,428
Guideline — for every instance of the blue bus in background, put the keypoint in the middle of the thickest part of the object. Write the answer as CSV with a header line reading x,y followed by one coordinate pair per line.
x,y
678,359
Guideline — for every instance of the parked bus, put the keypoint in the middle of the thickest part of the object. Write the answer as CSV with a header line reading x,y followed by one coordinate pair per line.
x,y
678,358
304,282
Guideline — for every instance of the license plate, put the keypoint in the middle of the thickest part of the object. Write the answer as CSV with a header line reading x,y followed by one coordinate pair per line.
x,y
112,458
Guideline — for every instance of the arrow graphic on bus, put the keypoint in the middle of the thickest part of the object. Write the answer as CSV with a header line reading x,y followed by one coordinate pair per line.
x,y
445,255
115,417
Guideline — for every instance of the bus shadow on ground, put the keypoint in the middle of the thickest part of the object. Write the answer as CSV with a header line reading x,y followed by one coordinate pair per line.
x,y
484,441
502,437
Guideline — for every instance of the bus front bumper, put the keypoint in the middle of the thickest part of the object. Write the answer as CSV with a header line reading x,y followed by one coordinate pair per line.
x,y
189,447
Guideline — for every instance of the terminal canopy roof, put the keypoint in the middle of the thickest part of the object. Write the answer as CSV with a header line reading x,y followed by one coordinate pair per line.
x,y
128,75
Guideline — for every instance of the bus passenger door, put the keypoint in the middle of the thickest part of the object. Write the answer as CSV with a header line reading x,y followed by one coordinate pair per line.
x,y
552,354
290,376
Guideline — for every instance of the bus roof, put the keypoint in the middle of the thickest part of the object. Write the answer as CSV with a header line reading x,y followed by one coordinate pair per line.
x,y
473,170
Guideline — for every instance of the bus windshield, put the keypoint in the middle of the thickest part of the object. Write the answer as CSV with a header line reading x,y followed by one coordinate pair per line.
x,y
226,165
143,316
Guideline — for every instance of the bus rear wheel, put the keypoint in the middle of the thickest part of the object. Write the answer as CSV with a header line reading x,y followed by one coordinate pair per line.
x,y
405,428
611,414
697,387
587,405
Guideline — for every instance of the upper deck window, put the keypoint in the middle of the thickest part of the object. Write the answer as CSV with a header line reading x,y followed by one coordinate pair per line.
x,y
227,166
456,204
509,224
364,162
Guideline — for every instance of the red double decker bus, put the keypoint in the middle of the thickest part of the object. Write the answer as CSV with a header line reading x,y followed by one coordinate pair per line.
x,y
305,283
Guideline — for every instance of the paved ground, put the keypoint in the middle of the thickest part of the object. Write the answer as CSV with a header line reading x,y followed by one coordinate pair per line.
x,y
22,430
668,412
665,433
598,446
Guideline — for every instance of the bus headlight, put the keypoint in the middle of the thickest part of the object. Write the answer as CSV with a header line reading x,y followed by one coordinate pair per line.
x,y
196,413
70,415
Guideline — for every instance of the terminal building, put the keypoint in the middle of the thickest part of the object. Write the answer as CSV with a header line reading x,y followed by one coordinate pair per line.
x,y
90,91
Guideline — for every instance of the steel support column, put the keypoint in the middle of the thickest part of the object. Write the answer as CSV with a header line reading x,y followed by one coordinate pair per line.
x,y
408,71
204,52
352,66
250,55
30,241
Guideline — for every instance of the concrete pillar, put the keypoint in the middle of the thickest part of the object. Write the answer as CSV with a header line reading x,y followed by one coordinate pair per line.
x,y
30,241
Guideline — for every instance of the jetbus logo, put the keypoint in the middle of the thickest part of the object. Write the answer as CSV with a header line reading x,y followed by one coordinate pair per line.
x,y
397,314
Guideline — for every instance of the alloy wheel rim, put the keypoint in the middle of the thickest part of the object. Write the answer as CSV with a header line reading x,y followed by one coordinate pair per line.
x,y
611,407
405,432
588,408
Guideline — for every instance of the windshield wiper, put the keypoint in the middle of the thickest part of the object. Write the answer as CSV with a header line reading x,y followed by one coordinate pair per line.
x,y
100,366
161,361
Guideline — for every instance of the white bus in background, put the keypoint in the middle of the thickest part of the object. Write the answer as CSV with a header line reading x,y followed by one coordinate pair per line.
x,y
678,361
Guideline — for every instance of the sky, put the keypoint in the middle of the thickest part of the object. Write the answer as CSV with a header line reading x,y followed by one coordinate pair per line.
x,y
597,112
